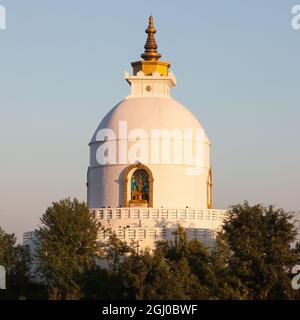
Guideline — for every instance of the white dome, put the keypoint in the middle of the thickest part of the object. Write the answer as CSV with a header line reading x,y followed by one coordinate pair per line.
x,y
173,186
149,113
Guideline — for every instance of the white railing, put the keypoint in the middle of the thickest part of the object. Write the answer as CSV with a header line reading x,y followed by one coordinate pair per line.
x,y
154,234
147,225
159,214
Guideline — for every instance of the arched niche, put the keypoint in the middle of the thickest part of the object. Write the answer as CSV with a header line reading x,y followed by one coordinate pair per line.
x,y
138,186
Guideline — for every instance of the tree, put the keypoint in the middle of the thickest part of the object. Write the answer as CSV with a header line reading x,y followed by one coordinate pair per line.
x,y
103,281
194,257
225,285
114,250
147,276
67,247
261,255
102,284
16,260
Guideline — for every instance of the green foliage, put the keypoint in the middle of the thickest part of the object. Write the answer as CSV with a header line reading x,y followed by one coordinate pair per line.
x,y
251,259
16,260
102,284
150,276
114,250
224,283
261,256
190,259
67,246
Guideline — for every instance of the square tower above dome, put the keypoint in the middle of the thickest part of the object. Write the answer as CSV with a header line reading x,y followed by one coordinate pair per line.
x,y
154,85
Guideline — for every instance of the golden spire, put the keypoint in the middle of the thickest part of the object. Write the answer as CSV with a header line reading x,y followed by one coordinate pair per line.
x,y
150,64
151,46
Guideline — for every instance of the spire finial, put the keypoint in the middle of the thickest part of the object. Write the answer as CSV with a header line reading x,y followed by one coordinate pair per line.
x,y
151,46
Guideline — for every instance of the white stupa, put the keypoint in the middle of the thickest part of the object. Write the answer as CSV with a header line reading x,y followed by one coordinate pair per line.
x,y
150,166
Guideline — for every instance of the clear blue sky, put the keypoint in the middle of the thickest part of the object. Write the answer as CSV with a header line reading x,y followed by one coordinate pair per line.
x,y
61,69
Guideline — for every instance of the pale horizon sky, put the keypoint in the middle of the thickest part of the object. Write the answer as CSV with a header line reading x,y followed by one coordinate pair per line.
x,y
62,69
